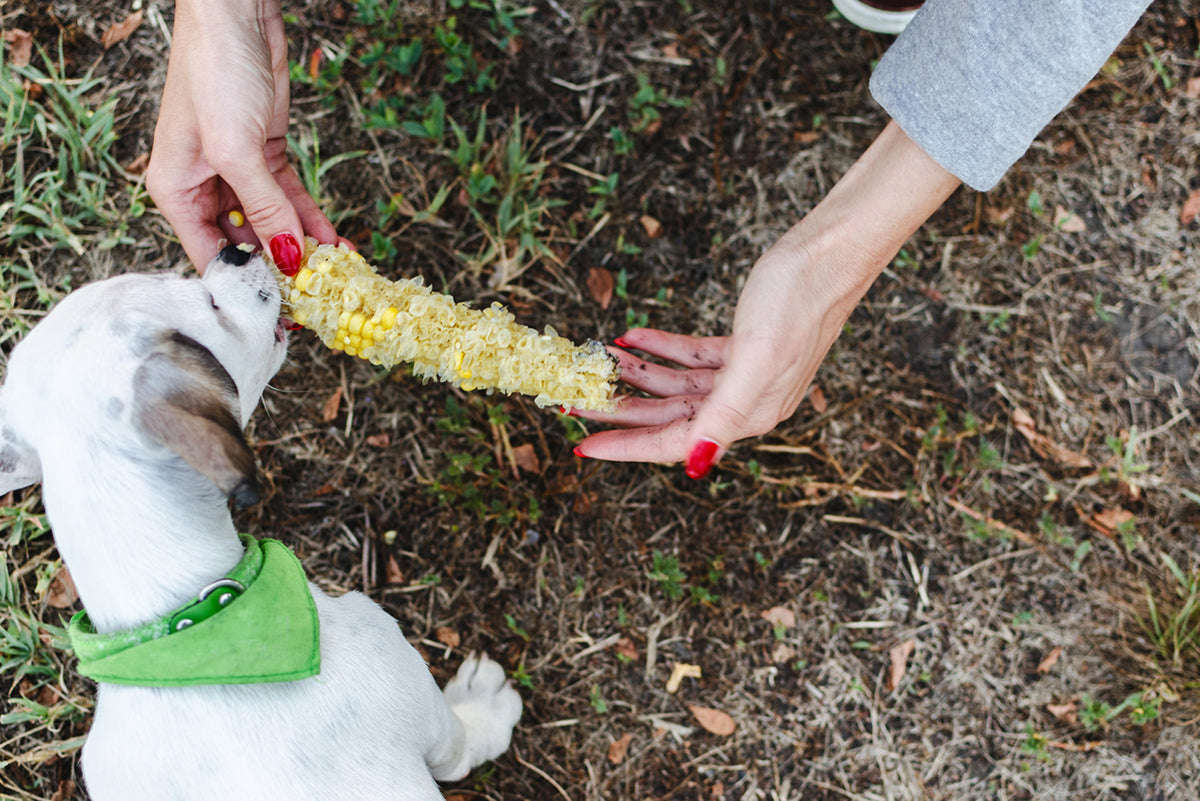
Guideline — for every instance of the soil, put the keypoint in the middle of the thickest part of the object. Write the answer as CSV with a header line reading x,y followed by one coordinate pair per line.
x,y
997,456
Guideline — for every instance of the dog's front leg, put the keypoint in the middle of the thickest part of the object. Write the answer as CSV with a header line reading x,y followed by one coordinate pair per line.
x,y
474,720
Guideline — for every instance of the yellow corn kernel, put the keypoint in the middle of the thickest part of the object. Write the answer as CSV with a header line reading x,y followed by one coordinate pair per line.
x,y
302,279
388,322
237,219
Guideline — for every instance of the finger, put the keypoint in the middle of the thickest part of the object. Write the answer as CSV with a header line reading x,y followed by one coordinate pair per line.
x,y
267,207
679,348
662,381
745,403
662,444
641,412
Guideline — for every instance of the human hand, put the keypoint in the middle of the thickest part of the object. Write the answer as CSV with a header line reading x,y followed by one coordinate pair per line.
x,y
725,388
791,310
220,144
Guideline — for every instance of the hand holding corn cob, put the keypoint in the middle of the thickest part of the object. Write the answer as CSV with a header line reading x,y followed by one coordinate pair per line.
x,y
339,296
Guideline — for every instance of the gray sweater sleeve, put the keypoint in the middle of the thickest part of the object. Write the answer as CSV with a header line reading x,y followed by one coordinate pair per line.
x,y
972,82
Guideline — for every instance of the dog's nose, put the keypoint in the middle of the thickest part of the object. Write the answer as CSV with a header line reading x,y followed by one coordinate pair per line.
x,y
235,255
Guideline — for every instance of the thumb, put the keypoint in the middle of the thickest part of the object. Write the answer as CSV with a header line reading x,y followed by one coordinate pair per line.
x,y
729,413
270,213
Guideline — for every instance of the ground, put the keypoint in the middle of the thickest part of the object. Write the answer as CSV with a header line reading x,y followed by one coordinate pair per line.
x,y
967,568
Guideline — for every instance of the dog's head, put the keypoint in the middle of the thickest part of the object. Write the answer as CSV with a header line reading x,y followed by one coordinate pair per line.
x,y
146,366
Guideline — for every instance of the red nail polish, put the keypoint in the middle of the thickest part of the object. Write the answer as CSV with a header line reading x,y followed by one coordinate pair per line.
x,y
292,325
701,459
580,453
621,343
286,253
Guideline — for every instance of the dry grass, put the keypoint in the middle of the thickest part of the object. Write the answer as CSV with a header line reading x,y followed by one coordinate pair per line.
x,y
912,502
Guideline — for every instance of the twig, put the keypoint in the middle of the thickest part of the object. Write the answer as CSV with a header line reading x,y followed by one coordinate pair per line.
x,y
540,772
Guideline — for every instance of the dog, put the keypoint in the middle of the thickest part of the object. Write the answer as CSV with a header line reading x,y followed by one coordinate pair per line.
x,y
128,403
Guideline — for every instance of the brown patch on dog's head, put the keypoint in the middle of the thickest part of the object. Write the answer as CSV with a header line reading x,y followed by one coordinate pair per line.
x,y
184,399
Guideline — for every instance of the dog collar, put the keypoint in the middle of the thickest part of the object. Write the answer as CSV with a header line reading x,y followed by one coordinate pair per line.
x,y
256,625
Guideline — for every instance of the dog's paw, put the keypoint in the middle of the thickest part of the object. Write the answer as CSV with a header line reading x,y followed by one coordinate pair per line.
x,y
488,706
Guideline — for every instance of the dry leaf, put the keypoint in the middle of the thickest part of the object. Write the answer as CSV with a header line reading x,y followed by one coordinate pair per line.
x,y
671,50
1112,519
1050,660
782,653
997,216
62,592
139,164
120,31
394,574
525,458
329,411
379,440
65,791
1043,446
314,64
816,396
600,286
805,137
627,649
653,227
1068,221
1192,89
780,616
713,721
679,673
19,45
899,654
1064,712
1191,208
619,748
447,636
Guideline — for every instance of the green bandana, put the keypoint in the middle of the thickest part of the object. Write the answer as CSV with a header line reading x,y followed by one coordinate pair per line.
x,y
257,625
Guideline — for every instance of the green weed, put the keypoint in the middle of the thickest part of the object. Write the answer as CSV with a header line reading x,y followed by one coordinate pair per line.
x,y
1173,622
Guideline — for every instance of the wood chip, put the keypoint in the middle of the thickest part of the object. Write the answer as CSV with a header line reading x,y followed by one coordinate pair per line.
x,y
713,721
380,440
120,31
619,748
898,655
1050,660
394,574
1111,520
680,672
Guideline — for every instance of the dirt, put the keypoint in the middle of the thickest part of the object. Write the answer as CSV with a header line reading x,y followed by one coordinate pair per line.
x,y
860,516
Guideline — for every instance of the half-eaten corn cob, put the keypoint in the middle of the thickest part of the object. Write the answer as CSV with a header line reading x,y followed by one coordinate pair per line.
x,y
340,297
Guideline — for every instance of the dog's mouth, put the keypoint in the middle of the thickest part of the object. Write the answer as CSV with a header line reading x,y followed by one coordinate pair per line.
x,y
282,326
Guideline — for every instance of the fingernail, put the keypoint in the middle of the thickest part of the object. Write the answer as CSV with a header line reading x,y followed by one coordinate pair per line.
x,y
579,452
285,251
621,343
701,459
292,325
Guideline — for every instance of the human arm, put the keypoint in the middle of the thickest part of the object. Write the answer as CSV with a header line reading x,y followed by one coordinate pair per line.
x,y
794,304
220,142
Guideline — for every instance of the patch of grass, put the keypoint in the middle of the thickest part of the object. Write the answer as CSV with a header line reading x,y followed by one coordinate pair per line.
x,y
62,184
1172,618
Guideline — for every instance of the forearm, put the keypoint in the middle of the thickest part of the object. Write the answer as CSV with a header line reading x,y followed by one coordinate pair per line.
x,y
856,230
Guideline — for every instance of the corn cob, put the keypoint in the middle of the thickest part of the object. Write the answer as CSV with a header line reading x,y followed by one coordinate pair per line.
x,y
340,297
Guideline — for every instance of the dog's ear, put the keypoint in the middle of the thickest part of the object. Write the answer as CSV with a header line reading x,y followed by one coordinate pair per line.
x,y
185,400
19,463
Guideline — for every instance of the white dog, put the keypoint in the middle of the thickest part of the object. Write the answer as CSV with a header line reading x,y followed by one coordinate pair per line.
x,y
128,403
